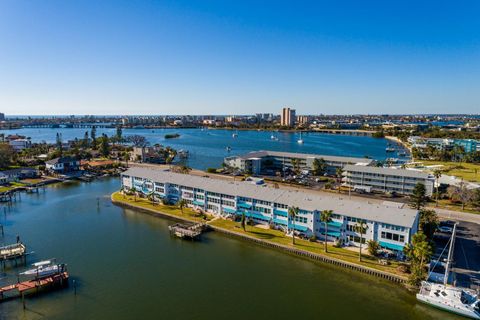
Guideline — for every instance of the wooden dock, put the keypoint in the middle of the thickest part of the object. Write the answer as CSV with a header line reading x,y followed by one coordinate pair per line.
x,y
12,251
192,231
21,289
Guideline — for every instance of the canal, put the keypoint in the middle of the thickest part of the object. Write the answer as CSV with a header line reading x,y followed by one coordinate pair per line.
x,y
207,148
128,267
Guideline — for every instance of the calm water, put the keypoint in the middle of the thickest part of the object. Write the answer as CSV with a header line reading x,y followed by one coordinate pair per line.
x,y
208,147
128,267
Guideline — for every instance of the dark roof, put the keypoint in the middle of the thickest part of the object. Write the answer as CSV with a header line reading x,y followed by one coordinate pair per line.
x,y
61,160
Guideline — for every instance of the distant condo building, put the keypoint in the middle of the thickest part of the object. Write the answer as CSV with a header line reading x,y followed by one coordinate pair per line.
x,y
2,116
303,120
390,224
468,145
379,179
287,118
271,162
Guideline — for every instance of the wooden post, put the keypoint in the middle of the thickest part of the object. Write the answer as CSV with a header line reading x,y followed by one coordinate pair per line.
x,y
23,300
74,287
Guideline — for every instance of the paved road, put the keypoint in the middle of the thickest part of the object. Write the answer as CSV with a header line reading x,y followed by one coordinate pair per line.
x,y
467,255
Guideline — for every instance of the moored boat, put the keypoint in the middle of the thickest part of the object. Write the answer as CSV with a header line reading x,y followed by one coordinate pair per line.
x,y
461,301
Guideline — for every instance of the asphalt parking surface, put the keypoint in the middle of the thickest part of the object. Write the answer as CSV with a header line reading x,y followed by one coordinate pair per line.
x,y
467,255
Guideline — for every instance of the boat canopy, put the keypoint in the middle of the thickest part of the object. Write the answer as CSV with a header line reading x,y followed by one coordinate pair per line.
x,y
391,246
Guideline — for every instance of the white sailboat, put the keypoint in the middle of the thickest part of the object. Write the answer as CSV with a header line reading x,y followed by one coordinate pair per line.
x,y
300,141
44,268
461,301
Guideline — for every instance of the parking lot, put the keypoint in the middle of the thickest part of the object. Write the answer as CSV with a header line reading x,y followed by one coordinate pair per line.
x,y
466,254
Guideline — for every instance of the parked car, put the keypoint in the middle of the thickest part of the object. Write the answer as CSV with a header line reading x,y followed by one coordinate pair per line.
x,y
445,229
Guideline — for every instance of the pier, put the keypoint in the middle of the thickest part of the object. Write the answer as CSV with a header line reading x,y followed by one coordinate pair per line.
x,y
20,289
12,251
187,231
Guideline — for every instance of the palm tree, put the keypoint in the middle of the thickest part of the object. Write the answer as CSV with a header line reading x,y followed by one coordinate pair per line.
x,y
151,197
326,217
242,222
182,203
292,213
437,174
339,173
126,157
361,227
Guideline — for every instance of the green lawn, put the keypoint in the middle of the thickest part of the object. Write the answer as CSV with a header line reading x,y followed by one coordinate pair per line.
x,y
458,169
187,214
274,236
279,237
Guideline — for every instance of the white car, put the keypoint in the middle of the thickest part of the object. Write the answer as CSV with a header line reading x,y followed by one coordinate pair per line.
x,y
445,229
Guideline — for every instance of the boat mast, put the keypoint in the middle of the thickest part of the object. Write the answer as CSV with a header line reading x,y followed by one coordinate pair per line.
x,y
450,254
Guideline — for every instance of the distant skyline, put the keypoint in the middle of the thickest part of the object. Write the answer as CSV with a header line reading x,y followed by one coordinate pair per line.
x,y
239,57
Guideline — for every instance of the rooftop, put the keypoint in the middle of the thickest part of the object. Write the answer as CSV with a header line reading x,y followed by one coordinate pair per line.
x,y
389,171
265,153
353,208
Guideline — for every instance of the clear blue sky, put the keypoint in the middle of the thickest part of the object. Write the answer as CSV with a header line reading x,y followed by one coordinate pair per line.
x,y
239,57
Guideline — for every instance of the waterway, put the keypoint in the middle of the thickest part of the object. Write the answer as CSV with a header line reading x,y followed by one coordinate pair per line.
x,y
128,267
207,148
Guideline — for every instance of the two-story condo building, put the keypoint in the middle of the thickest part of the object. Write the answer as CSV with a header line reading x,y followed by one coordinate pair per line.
x,y
392,226
380,179
269,162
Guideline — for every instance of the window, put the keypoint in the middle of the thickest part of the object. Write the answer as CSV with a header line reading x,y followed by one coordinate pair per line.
x,y
393,236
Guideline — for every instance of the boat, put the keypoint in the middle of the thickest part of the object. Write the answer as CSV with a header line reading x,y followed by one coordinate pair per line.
x,y
390,149
228,149
458,300
44,269
402,154
300,141
461,301
234,135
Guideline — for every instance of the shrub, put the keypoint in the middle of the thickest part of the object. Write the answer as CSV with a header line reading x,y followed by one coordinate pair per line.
x,y
373,247
211,170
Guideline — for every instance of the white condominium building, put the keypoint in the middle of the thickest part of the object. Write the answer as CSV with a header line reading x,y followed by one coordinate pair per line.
x,y
392,226
380,179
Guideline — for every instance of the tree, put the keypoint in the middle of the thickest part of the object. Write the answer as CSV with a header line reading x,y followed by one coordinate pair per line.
x,y
339,173
59,143
296,165
181,204
151,197
360,228
418,198
437,174
85,140
428,222
185,169
418,252
319,166
326,217
104,146
373,247
93,136
137,140
475,201
126,157
118,134
242,222
7,154
292,214
460,193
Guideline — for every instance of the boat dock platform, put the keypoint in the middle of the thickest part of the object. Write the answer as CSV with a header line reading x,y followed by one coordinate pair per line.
x,y
21,289
192,231
12,251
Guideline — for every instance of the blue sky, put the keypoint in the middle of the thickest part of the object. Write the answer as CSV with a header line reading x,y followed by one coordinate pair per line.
x,y
239,57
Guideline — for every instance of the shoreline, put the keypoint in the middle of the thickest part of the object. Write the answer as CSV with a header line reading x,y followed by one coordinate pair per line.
x,y
265,243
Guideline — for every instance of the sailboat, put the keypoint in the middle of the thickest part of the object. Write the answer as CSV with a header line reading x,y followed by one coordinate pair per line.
x,y
300,141
234,135
461,301
44,268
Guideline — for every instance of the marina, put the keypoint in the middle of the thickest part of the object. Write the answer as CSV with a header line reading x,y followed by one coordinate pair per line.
x,y
180,268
